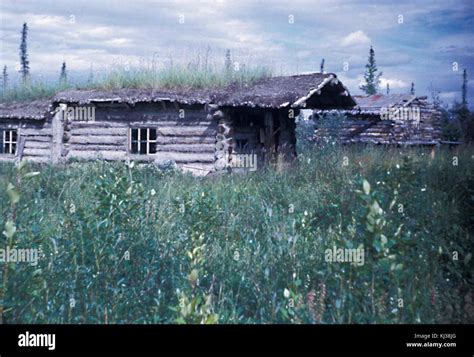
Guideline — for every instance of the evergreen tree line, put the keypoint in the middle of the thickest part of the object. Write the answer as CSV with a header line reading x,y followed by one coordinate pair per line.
x,y
25,64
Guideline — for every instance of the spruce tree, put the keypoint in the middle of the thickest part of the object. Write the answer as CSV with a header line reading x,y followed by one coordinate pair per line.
x,y
464,88
322,66
63,75
462,114
371,77
466,117
24,63
4,79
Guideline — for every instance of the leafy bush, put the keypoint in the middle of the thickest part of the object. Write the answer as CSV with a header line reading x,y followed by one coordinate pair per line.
x,y
128,244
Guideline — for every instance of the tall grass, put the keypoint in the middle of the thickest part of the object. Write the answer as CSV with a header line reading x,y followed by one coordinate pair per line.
x,y
180,76
127,244
31,90
147,75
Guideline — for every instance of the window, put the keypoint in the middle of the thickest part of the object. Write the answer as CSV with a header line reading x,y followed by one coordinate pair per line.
x,y
142,141
8,141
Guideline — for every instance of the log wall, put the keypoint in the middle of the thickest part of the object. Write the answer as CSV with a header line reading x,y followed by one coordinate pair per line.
x,y
33,142
199,138
371,129
186,136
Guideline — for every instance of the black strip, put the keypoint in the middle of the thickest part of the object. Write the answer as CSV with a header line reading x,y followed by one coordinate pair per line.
x,y
257,338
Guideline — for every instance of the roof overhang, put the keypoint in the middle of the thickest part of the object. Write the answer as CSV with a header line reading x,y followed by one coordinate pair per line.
x,y
340,91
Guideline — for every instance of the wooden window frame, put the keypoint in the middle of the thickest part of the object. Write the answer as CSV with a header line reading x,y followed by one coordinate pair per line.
x,y
9,146
147,140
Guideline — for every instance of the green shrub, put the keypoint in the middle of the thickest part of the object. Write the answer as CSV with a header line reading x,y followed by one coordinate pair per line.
x,y
128,244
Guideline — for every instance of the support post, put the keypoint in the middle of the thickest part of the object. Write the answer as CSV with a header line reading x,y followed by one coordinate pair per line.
x,y
57,134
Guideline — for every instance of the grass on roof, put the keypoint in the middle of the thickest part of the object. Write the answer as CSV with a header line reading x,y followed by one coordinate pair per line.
x,y
143,77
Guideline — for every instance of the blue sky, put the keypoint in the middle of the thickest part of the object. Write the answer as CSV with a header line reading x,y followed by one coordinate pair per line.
x,y
414,40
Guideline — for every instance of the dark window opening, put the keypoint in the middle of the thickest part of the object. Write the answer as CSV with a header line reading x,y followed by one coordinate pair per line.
x,y
143,141
8,141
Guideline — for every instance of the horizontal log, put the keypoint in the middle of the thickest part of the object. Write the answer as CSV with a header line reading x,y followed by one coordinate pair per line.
x,y
122,140
98,124
99,131
37,144
185,139
36,152
180,157
168,127
101,140
210,148
89,147
187,131
35,126
34,131
38,138
96,155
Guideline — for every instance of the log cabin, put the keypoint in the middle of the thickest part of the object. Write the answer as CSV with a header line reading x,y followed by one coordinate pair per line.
x,y
238,127
394,119
25,131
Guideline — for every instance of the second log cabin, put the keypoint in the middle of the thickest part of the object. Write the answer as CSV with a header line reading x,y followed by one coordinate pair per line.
x,y
394,119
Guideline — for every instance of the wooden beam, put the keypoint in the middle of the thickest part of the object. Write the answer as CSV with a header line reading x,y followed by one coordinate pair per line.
x,y
89,139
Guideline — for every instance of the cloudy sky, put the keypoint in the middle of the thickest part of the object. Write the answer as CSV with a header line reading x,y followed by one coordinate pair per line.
x,y
419,41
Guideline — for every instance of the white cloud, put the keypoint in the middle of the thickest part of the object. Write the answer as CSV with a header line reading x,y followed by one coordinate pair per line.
x,y
356,38
393,83
99,31
118,41
46,22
